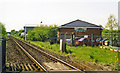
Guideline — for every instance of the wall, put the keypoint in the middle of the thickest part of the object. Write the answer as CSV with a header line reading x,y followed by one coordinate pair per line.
x,y
69,31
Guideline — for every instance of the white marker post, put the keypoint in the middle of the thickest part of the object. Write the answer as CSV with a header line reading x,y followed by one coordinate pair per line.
x,y
61,41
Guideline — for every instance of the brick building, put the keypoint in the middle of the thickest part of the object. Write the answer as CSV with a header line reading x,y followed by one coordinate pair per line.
x,y
79,28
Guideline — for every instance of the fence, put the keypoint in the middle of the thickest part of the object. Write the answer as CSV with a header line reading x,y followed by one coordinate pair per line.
x,y
2,54
113,38
91,38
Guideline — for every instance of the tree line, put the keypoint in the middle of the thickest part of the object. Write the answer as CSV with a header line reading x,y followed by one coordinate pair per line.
x,y
39,33
17,33
111,28
42,33
2,31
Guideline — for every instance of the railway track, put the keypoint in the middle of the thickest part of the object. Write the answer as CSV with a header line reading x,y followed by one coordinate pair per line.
x,y
17,60
42,60
14,67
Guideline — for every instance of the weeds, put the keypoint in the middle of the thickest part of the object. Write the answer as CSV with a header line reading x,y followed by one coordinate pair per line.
x,y
86,53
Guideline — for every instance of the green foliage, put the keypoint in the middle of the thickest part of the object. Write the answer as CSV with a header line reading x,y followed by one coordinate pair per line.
x,y
112,32
112,23
42,33
2,31
83,54
13,32
112,36
101,26
17,33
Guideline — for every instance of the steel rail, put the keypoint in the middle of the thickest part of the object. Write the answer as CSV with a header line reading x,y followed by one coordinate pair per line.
x,y
51,56
35,61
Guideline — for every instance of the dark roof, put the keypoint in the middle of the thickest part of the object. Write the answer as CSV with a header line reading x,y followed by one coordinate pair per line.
x,y
29,26
9,32
79,23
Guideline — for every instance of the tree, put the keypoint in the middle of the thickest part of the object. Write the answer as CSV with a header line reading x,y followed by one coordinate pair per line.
x,y
112,23
13,32
2,31
101,26
42,33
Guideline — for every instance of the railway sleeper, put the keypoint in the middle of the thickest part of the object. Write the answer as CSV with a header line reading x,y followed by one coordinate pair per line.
x,y
22,67
37,68
20,41
34,68
26,67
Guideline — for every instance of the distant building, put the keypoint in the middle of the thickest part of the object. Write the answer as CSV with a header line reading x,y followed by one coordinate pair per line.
x,y
26,28
8,33
79,28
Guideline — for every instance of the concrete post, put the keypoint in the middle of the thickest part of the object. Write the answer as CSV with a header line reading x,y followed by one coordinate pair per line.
x,y
61,41
63,44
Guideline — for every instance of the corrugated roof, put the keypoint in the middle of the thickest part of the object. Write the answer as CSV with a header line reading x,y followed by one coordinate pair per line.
x,y
79,23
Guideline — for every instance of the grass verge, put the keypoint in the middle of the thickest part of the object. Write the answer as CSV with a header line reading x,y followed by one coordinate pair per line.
x,y
82,53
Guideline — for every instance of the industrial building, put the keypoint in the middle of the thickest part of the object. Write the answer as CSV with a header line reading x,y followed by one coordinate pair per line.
x,y
79,28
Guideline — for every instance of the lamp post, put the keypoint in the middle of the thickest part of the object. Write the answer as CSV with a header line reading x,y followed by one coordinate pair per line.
x,y
40,22
25,33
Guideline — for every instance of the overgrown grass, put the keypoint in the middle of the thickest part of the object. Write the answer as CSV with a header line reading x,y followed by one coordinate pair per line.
x,y
82,53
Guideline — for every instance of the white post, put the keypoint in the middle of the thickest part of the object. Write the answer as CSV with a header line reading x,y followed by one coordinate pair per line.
x,y
61,44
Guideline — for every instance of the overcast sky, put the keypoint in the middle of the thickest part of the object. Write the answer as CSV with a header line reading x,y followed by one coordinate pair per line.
x,y
17,13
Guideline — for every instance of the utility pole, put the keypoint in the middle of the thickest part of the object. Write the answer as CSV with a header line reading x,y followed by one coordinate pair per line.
x,y
25,33
40,22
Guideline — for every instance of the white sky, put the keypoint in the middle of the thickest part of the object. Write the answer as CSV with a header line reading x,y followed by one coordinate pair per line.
x,y
17,13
